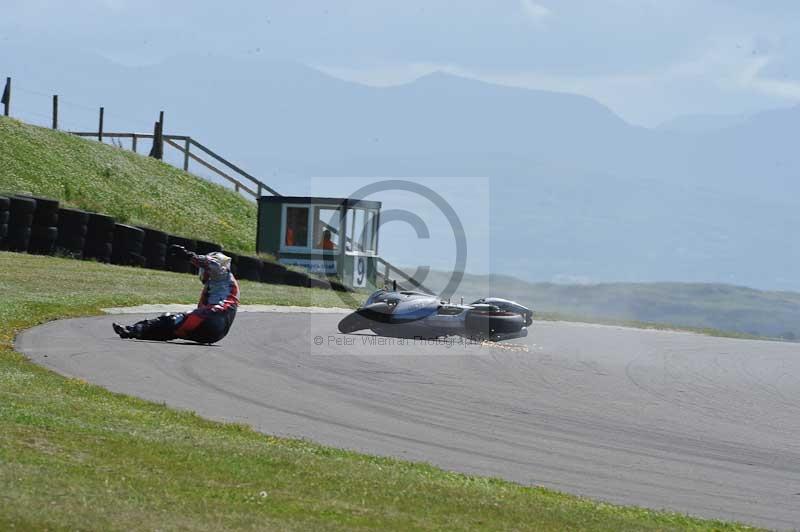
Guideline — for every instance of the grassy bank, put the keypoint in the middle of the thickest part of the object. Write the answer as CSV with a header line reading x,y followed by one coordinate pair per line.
x,y
131,188
73,456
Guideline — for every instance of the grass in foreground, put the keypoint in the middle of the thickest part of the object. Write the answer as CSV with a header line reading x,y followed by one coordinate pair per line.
x,y
132,188
74,456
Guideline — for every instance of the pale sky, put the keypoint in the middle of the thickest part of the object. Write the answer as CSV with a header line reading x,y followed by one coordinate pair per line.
x,y
648,60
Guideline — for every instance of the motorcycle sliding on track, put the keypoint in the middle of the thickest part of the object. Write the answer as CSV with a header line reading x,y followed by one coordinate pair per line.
x,y
407,314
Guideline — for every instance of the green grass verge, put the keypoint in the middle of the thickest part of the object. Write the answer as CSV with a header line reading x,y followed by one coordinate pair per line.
x,y
132,188
74,456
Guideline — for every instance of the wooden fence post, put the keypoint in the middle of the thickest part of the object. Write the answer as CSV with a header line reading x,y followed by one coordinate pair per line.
x,y
158,141
6,100
55,111
157,150
100,126
186,155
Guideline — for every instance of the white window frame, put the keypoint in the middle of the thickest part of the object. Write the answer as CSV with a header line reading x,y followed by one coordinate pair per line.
x,y
372,245
309,228
369,248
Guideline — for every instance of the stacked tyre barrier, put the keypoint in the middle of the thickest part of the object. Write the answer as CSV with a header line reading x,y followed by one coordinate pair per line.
x,y
44,226
273,273
154,248
39,225
5,203
177,264
99,237
249,268
20,220
126,249
73,225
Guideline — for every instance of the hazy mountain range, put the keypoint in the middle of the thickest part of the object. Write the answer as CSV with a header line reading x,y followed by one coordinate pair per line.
x,y
577,193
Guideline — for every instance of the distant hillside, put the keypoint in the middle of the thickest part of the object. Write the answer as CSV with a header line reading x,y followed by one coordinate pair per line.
x,y
700,124
132,188
727,308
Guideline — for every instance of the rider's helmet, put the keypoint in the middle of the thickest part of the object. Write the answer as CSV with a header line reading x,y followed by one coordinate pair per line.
x,y
221,258
218,257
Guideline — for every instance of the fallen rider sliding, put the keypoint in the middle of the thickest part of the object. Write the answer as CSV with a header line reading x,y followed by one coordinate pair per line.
x,y
213,317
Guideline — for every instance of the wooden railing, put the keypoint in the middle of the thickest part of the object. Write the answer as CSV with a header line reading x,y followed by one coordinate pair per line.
x,y
241,180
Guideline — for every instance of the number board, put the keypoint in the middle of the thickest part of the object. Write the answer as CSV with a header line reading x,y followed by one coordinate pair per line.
x,y
359,272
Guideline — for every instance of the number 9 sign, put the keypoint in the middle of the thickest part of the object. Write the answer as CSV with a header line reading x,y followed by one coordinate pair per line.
x,y
359,272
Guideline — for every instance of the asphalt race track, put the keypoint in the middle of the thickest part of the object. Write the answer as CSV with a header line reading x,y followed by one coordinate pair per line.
x,y
708,426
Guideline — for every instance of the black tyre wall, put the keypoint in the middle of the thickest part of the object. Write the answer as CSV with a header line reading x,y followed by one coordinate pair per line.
x,y
72,231
177,264
154,237
49,219
4,217
44,228
100,225
19,224
249,268
70,219
155,256
99,237
17,239
127,245
154,248
100,251
20,220
43,205
21,205
272,273
43,240
294,278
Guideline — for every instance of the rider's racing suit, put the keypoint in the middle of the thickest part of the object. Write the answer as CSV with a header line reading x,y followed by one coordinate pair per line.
x,y
213,317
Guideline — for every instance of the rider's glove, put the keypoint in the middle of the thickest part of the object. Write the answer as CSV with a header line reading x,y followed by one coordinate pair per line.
x,y
180,252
